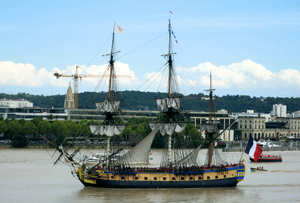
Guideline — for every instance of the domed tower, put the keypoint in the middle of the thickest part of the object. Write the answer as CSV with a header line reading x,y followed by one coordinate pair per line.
x,y
69,98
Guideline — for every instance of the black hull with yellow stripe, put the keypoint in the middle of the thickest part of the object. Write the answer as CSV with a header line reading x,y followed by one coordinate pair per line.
x,y
227,177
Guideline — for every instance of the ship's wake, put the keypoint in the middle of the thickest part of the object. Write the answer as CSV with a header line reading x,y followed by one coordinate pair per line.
x,y
286,171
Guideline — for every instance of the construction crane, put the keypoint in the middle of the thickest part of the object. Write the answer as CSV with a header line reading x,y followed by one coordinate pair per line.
x,y
76,76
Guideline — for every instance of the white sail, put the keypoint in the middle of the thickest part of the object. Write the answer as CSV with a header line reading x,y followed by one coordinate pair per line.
x,y
168,102
173,102
189,159
108,130
211,128
168,128
140,153
161,104
108,106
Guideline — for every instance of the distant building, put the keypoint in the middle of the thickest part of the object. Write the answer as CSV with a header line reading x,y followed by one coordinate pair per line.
x,y
69,99
296,114
279,110
13,103
29,113
250,113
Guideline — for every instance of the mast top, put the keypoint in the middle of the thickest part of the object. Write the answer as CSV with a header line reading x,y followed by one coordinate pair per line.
x,y
210,99
111,62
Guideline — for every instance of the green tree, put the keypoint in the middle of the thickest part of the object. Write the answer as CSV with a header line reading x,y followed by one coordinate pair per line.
x,y
22,121
61,135
36,121
19,141
14,128
6,121
3,127
193,136
71,126
44,127
55,126
83,129
50,117
28,128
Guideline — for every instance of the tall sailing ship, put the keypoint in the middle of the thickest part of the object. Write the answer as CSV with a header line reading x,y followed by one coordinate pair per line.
x,y
179,168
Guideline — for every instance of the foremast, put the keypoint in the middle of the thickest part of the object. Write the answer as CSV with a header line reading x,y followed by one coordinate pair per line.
x,y
110,106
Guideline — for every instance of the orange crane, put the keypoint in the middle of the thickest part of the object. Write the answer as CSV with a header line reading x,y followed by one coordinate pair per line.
x,y
76,76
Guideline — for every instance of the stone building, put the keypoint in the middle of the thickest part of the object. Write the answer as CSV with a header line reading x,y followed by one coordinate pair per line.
x,y
280,128
69,98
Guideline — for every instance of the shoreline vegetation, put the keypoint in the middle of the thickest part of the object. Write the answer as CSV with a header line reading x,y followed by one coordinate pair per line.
x,y
232,147
191,102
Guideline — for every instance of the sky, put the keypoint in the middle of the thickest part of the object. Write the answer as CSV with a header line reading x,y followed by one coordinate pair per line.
x,y
249,47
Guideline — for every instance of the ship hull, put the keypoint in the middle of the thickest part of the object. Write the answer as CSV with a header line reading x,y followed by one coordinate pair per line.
x,y
207,178
266,160
229,182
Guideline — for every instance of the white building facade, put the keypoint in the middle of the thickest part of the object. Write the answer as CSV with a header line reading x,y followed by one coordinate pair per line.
x,y
279,110
15,103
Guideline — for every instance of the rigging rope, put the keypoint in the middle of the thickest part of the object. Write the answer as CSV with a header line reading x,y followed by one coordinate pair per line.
x,y
141,46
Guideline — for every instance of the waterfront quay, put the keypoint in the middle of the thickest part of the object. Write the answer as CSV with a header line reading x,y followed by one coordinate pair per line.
x,y
279,146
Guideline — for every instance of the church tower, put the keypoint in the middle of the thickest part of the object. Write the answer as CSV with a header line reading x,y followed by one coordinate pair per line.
x,y
69,98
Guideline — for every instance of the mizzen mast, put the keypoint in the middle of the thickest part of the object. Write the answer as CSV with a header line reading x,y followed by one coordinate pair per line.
x,y
210,133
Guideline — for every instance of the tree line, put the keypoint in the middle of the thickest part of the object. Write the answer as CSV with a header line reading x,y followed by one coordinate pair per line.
x,y
135,100
58,132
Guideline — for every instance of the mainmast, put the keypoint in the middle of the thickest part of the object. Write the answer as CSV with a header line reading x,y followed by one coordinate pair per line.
x,y
169,105
170,61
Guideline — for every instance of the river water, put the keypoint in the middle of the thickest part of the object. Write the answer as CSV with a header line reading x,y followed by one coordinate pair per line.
x,y
28,175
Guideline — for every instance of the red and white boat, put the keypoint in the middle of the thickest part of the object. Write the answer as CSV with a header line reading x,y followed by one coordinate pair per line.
x,y
268,158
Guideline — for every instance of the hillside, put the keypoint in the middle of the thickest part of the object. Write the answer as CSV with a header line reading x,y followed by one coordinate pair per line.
x,y
134,100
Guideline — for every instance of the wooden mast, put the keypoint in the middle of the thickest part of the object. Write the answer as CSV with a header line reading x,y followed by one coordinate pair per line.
x,y
170,111
170,60
111,62
210,134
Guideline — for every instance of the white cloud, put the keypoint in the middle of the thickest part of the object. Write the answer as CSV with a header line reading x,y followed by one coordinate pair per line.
x,y
27,75
246,75
23,75
288,77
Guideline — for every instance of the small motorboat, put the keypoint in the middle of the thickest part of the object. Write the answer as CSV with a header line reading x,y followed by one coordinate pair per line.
x,y
260,168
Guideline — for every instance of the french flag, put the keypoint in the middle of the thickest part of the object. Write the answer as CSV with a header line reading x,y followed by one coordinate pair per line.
x,y
253,149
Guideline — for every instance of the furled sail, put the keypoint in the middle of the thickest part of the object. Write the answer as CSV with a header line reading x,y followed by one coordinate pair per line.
x,y
168,102
173,102
168,128
161,104
210,128
108,106
140,153
109,130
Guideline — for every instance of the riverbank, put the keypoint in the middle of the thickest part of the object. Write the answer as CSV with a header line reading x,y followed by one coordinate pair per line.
x,y
233,147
